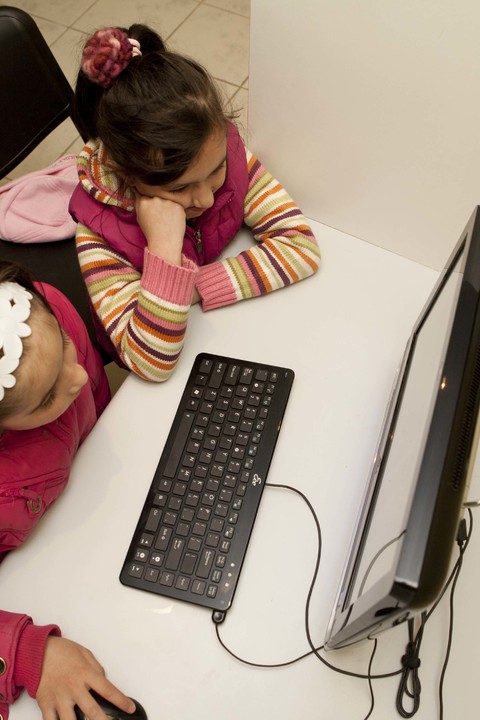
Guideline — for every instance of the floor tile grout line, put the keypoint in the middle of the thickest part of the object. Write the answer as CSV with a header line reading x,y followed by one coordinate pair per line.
x,y
82,15
205,3
190,14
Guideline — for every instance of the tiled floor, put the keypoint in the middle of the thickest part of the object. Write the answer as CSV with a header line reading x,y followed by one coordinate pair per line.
x,y
214,32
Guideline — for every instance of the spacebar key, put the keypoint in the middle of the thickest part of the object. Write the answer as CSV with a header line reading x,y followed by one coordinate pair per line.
x,y
178,448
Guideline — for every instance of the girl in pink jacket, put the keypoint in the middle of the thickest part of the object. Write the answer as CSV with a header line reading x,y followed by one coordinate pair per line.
x,y
52,390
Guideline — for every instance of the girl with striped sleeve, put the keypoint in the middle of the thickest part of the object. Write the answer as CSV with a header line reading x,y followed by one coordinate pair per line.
x,y
165,184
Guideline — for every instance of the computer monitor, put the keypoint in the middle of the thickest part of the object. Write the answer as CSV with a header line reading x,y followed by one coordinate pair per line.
x,y
406,529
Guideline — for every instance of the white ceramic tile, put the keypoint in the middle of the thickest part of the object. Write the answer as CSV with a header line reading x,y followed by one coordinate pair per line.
x,y
75,147
64,12
242,7
163,15
51,31
68,50
217,39
50,149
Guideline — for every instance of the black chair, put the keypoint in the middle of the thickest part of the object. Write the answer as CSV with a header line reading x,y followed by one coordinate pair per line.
x,y
35,98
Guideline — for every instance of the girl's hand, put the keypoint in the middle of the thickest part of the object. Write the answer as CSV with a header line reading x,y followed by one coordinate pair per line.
x,y
69,671
163,224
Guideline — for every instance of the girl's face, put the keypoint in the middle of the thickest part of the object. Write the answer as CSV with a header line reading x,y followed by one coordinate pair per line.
x,y
194,190
49,378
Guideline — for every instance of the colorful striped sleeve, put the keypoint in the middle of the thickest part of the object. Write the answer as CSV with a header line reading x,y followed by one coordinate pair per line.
x,y
286,249
145,315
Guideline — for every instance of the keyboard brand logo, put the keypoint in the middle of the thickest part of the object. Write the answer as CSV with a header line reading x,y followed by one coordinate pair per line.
x,y
257,480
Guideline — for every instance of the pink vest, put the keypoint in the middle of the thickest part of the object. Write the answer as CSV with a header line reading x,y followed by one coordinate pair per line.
x,y
203,241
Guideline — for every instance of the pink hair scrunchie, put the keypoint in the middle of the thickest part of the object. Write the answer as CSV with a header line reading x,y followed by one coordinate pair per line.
x,y
106,54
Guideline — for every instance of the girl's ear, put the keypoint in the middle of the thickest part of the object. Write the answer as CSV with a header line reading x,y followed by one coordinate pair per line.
x,y
125,181
107,160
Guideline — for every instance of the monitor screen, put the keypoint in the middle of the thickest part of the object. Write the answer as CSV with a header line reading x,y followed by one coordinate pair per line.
x,y
407,525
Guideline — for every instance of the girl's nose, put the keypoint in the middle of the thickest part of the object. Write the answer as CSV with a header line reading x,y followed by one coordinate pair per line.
x,y
203,197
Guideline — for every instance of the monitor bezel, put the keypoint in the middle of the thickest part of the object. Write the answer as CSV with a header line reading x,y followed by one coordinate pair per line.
x,y
422,563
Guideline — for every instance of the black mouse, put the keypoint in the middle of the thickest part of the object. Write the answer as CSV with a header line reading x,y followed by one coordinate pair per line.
x,y
112,711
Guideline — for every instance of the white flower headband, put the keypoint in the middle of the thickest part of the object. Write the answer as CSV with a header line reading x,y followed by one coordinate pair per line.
x,y
14,310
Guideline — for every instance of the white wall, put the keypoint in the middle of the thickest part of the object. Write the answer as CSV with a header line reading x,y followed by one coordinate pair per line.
x,y
369,112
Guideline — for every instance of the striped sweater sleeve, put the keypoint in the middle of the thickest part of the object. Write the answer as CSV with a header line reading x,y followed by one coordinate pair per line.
x,y
286,249
144,314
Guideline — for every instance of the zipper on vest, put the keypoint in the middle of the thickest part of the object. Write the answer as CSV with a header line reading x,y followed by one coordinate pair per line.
x,y
33,501
198,240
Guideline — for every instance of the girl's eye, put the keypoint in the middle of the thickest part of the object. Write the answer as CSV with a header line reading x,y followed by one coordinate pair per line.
x,y
179,189
66,339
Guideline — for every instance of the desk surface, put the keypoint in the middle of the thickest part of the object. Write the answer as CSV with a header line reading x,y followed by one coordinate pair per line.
x,y
343,333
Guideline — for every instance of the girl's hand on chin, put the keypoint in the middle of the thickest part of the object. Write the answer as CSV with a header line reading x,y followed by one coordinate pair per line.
x,y
163,224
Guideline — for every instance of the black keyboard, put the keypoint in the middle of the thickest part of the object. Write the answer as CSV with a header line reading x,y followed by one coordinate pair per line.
x,y
193,531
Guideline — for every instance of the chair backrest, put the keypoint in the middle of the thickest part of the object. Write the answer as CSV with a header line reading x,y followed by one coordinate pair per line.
x,y
35,98
35,94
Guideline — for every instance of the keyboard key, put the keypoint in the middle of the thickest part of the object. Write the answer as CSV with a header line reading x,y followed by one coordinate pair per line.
x,y
194,544
206,366
217,374
135,571
205,563
198,587
217,525
182,583
175,555
212,540
183,529
188,563
232,374
153,520
163,538
167,578
152,574
246,376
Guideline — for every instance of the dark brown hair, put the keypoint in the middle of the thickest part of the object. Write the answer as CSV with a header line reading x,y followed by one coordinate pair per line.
x,y
155,116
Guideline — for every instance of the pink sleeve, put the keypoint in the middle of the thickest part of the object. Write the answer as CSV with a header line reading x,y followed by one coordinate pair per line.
x,y
22,647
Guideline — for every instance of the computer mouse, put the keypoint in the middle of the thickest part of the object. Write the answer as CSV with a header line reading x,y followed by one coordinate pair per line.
x,y
112,711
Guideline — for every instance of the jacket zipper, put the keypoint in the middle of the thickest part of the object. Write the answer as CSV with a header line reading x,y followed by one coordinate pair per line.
x,y
198,240
32,499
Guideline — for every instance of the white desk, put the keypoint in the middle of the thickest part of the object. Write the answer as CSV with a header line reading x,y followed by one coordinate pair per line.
x,y
342,332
